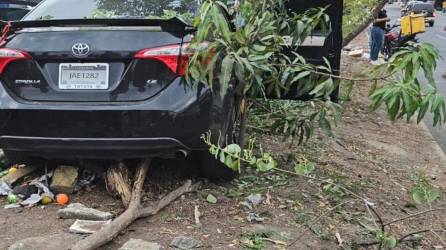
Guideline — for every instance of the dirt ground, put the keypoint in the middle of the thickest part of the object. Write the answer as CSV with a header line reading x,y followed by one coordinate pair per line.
x,y
369,155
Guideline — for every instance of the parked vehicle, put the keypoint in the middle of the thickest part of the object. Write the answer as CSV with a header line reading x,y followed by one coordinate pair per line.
x,y
15,10
418,7
394,41
104,81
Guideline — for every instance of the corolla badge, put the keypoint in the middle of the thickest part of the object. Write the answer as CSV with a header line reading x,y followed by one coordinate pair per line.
x,y
80,49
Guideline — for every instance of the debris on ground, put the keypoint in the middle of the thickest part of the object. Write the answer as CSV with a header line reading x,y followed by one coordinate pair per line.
x,y
47,242
64,179
81,212
5,189
211,199
86,179
25,191
47,198
137,244
254,199
12,199
185,243
21,171
31,201
356,53
253,217
62,199
87,226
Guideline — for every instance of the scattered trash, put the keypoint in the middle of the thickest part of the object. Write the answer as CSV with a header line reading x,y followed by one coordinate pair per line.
x,y
86,179
31,201
25,191
12,170
10,206
356,53
81,212
64,179
12,199
252,217
5,189
4,173
366,56
246,204
197,215
47,198
137,244
211,199
184,243
87,226
62,199
255,199
42,182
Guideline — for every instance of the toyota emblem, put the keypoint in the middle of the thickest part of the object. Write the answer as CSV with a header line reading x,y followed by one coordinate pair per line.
x,y
80,49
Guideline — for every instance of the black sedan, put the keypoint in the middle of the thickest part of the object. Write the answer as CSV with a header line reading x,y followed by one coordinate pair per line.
x,y
105,80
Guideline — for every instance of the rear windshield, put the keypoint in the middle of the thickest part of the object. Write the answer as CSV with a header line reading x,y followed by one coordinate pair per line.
x,y
112,9
423,7
12,14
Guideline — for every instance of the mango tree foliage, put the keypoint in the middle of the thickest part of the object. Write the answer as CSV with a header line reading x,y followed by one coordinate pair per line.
x,y
239,50
356,12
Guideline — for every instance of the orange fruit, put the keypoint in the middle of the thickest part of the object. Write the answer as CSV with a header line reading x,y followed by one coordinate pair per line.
x,y
62,199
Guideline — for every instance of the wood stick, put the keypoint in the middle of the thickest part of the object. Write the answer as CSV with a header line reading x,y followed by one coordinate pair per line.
x,y
134,211
117,182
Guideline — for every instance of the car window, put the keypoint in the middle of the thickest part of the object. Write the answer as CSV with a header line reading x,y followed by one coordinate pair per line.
x,y
423,6
9,14
112,9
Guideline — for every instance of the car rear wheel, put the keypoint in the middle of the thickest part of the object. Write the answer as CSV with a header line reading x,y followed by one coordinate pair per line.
x,y
213,168
431,24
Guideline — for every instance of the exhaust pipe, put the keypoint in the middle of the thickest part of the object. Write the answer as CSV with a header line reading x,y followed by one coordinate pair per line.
x,y
181,153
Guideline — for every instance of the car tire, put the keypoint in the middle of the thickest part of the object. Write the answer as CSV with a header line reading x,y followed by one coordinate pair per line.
x,y
431,24
214,169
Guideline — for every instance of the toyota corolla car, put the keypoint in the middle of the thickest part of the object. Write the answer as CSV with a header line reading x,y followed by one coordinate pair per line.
x,y
104,79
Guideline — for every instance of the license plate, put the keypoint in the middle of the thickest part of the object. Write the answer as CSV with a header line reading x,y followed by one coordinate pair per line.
x,y
83,76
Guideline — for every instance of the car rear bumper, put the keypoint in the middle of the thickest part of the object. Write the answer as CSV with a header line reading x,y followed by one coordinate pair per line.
x,y
429,19
95,148
166,126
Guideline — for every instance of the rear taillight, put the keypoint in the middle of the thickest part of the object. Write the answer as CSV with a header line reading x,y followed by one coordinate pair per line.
x,y
434,14
8,56
175,57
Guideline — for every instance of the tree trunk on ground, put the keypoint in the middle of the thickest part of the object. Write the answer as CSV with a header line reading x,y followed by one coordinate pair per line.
x,y
135,210
117,182
349,37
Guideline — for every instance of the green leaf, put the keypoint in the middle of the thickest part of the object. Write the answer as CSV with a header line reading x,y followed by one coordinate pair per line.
x,y
225,74
389,242
266,163
211,199
418,197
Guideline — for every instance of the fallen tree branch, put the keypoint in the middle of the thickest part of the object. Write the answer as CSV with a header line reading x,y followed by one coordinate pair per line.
x,y
414,215
117,182
360,28
134,211
405,238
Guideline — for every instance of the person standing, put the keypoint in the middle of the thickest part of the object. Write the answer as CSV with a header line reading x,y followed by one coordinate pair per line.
x,y
377,35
